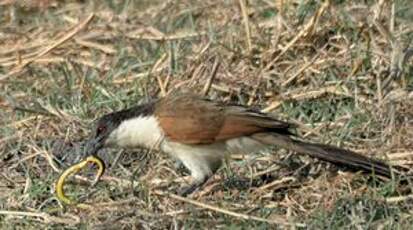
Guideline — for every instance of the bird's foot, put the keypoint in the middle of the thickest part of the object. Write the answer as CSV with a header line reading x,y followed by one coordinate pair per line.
x,y
187,190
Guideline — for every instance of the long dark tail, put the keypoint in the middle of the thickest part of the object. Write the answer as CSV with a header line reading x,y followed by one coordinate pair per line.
x,y
328,153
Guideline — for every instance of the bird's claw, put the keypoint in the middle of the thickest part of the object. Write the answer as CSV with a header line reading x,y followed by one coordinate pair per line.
x,y
185,191
73,170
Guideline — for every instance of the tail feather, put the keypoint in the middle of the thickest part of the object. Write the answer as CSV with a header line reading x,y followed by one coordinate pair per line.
x,y
328,153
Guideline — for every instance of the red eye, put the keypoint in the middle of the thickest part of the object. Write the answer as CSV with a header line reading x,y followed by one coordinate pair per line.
x,y
101,129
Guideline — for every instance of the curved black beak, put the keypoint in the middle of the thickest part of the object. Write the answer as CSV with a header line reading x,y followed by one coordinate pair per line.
x,y
93,146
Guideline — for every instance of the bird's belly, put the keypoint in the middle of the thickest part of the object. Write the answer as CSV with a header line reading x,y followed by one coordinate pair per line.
x,y
244,145
198,158
178,150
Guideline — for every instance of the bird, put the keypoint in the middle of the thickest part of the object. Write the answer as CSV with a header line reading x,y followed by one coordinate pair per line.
x,y
201,133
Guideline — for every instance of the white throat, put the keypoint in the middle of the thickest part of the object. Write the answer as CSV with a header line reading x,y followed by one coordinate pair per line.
x,y
141,131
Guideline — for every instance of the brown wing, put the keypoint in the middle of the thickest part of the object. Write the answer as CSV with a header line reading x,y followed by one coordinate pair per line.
x,y
192,120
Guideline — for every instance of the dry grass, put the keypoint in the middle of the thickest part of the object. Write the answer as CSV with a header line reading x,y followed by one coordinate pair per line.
x,y
341,70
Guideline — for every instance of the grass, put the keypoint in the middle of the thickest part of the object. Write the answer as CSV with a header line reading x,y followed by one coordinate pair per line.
x,y
341,72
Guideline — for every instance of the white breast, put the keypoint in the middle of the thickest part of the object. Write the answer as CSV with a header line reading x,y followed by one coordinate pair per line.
x,y
137,132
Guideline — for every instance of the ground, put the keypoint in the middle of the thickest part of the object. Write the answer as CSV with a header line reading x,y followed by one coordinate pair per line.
x,y
340,70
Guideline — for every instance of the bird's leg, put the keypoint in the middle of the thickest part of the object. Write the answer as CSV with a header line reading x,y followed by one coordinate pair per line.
x,y
178,164
180,167
200,174
197,183
200,161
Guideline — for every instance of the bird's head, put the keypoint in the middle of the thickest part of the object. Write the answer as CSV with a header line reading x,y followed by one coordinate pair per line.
x,y
119,128
101,136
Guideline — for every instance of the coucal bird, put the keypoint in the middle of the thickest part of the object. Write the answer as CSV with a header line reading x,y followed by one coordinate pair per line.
x,y
201,133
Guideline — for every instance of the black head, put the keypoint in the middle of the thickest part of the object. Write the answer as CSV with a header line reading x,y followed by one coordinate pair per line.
x,y
108,123
104,126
